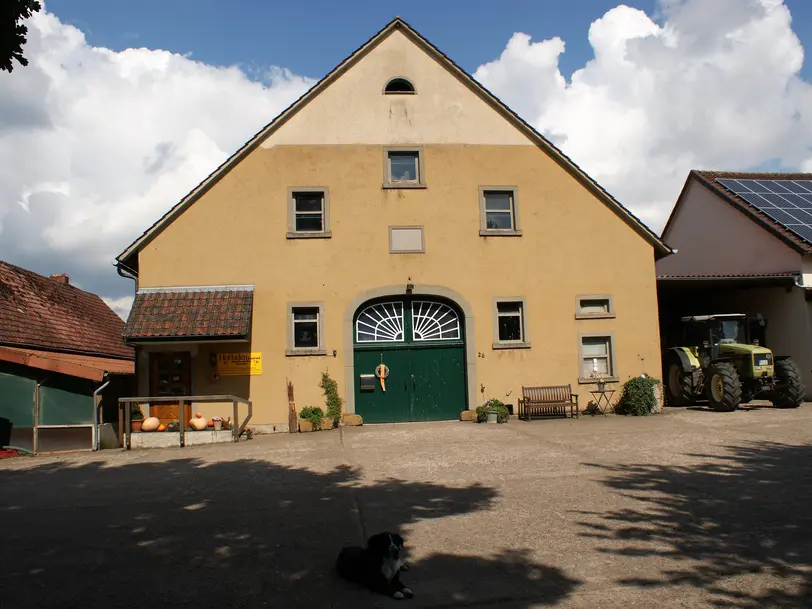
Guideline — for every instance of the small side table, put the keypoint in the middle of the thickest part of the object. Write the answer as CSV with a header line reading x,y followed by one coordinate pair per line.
x,y
602,395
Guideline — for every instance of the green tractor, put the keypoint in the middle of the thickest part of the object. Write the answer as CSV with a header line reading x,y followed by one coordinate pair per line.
x,y
723,366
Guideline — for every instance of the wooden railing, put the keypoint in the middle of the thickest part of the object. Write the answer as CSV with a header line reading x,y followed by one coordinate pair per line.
x,y
182,400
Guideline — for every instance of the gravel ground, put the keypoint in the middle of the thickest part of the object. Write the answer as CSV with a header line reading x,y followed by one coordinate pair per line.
x,y
690,508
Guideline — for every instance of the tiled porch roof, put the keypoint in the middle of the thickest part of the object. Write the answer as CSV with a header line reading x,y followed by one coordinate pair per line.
x,y
217,312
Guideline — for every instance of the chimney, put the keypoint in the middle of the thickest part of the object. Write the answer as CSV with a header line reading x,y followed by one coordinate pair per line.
x,y
61,278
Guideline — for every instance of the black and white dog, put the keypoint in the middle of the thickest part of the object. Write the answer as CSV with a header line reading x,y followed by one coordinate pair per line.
x,y
376,567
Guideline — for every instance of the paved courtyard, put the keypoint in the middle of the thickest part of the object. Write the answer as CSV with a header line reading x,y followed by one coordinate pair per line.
x,y
687,509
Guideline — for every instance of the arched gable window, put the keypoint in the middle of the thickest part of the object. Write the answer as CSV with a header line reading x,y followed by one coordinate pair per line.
x,y
399,86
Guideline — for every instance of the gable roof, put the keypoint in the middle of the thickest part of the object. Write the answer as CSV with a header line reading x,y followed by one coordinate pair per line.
x,y
397,24
39,312
708,179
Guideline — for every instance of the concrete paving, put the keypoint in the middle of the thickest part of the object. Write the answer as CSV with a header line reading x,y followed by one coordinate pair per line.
x,y
690,508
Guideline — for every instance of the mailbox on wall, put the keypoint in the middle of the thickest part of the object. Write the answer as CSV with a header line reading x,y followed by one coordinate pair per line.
x,y
368,382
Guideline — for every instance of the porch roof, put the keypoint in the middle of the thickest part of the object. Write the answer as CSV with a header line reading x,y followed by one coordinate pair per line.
x,y
191,313
72,364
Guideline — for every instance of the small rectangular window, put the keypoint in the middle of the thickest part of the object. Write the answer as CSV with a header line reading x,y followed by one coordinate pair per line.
x,y
498,211
596,357
594,306
404,168
308,213
510,322
306,328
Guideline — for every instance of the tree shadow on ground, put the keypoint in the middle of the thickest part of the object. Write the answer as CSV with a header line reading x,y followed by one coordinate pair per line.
x,y
736,526
241,533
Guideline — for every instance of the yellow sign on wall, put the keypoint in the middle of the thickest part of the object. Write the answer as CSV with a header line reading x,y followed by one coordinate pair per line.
x,y
239,364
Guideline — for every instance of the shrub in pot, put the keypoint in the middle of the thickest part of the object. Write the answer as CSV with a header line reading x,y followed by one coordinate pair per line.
x,y
136,417
495,408
314,414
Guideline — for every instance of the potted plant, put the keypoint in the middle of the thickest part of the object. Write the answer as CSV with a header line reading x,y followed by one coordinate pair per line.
x,y
312,416
492,411
136,417
218,423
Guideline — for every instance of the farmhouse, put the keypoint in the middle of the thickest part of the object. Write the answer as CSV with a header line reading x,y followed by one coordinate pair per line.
x,y
398,218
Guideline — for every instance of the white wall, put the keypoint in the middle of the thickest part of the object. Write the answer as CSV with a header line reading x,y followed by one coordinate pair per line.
x,y
789,328
713,238
353,109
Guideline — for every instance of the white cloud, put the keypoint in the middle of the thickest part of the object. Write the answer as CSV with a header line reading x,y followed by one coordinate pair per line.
x,y
95,145
716,85
121,306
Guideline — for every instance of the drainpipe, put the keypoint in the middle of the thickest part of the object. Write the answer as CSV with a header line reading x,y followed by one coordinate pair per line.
x,y
96,412
124,271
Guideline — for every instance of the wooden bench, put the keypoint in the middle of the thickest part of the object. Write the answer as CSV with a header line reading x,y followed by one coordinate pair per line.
x,y
542,402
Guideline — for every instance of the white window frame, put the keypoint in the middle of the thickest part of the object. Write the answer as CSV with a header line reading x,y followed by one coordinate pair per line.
x,y
324,233
292,349
524,342
610,357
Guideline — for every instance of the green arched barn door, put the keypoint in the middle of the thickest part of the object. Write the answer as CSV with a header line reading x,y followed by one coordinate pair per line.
x,y
419,344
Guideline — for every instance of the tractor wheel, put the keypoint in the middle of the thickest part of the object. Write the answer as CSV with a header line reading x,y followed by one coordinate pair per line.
x,y
790,389
680,385
724,388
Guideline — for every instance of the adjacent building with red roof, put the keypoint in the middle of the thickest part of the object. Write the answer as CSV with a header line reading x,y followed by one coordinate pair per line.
x,y
58,346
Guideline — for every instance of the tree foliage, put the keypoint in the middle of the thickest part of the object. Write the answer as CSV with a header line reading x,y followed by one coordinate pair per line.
x,y
12,32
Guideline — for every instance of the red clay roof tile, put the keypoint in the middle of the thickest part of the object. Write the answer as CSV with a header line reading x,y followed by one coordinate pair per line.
x,y
36,311
205,312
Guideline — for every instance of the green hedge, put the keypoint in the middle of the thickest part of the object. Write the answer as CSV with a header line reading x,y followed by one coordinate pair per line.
x,y
637,397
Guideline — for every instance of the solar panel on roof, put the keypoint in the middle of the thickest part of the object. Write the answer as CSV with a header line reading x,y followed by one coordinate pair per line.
x,y
787,202
797,187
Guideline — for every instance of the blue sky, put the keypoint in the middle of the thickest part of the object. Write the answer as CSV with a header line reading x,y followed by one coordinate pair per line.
x,y
310,37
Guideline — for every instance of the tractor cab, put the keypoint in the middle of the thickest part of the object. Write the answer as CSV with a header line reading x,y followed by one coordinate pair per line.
x,y
714,337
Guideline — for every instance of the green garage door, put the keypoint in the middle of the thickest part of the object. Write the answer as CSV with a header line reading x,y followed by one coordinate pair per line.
x,y
420,346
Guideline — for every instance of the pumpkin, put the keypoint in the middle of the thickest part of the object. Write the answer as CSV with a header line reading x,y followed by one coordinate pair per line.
x,y
161,427
198,424
198,415
150,424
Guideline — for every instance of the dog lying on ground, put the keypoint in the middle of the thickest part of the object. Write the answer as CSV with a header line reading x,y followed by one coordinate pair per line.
x,y
377,566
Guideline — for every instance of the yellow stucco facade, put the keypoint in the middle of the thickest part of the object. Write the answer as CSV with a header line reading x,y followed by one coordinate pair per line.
x,y
571,241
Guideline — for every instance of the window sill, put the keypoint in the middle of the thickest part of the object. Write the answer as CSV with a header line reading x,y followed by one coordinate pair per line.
x,y
313,235
595,316
305,352
491,232
404,185
591,381
511,345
